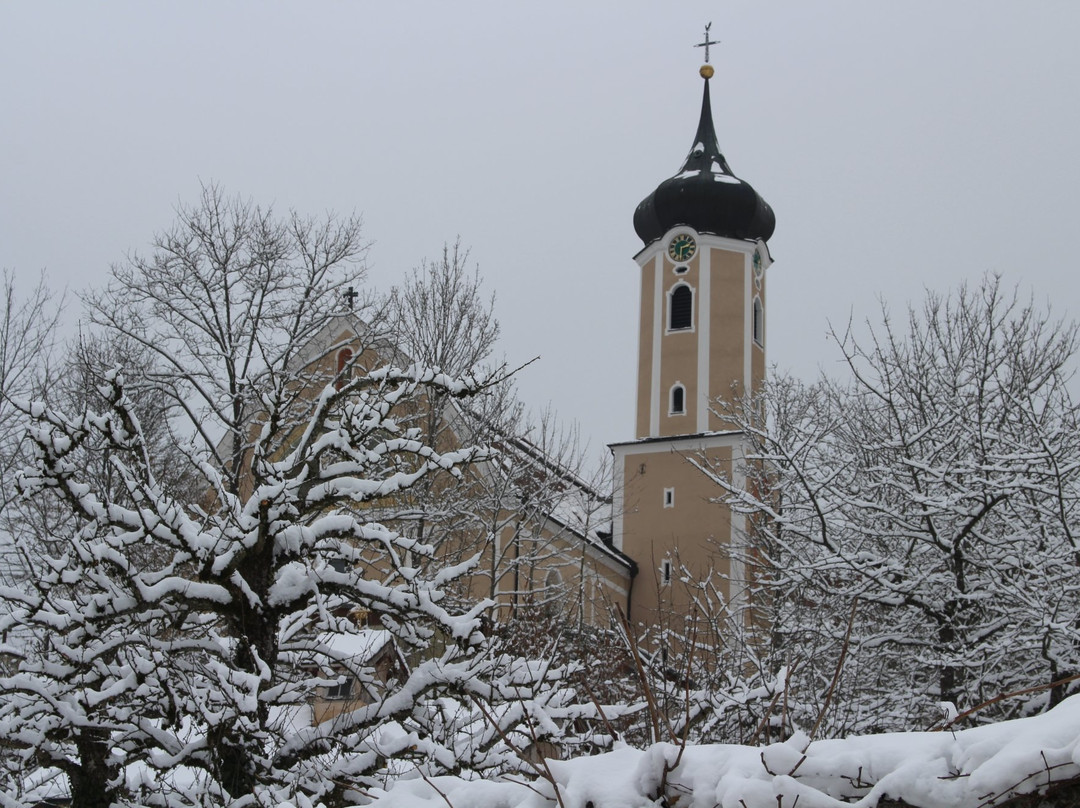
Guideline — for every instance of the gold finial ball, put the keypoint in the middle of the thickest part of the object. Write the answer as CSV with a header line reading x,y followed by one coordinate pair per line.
x,y
706,71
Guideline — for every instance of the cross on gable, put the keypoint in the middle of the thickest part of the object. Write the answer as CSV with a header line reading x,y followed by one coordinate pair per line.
x,y
350,296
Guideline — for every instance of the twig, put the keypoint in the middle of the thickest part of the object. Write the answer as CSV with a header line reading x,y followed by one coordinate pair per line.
x,y
669,768
764,718
1002,697
772,704
435,787
836,673
832,685
603,717
545,773
650,699
1010,793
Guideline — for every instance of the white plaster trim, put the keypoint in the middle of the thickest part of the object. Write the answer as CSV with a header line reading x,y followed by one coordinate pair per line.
x,y
737,593
667,308
671,411
617,502
705,312
754,318
658,327
702,239
683,445
642,379
669,497
766,256
748,324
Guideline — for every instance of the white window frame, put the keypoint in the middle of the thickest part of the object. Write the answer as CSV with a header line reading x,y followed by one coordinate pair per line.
x,y
757,321
667,313
671,399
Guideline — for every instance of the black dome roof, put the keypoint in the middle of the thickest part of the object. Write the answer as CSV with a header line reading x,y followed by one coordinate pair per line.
x,y
705,195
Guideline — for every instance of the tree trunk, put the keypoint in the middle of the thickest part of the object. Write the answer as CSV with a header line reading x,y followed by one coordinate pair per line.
x,y
90,780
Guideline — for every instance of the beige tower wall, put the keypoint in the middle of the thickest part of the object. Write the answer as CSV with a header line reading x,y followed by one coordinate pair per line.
x,y
717,358
694,532
645,347
729,334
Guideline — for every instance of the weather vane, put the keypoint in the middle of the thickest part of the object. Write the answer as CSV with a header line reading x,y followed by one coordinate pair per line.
x,y
707,42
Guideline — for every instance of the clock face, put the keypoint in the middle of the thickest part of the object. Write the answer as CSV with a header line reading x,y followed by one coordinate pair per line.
x,y
682,248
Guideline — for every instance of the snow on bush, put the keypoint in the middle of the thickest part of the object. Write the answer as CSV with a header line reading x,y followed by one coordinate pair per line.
x,y
973,767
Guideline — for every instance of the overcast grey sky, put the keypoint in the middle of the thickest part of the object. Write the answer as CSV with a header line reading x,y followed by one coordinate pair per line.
x,y
902,146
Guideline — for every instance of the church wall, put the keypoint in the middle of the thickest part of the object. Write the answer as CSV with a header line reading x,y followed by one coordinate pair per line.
x,y
692,532
758,352
645,346
680,353
557,576
730,329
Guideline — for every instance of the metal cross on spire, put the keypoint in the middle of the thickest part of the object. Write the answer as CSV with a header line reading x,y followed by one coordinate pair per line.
x,y
707,42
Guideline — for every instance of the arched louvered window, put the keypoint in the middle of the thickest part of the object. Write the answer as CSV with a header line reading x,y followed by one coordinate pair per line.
x,y
680,315
759,322
678,400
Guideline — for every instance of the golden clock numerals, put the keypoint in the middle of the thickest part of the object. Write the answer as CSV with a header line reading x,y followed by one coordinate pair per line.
x,y
682,248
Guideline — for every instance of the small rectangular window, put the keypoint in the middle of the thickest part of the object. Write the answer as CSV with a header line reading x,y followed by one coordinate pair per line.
x,y
342,690
665,572
669,497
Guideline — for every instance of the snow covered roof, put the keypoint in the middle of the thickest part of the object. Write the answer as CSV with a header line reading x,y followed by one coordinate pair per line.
x,y
680,438
579,509
362,645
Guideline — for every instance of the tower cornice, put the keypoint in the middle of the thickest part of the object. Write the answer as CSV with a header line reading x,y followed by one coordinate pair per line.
x,y
745,246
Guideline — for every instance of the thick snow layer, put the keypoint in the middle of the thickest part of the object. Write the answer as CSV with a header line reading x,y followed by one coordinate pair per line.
x,y
927,769
362,645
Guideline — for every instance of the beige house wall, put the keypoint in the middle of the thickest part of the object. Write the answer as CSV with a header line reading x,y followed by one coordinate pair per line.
x,y
591,577
559,575
693,532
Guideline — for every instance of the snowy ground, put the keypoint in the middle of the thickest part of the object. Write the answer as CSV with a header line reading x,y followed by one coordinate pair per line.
x,y
972,767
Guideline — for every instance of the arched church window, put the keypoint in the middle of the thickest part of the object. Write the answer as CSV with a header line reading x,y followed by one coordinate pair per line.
x,y
551,595
678,400
759,322
344,367
680,315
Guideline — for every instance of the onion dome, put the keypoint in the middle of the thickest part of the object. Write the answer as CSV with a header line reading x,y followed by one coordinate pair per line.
x,y
705,194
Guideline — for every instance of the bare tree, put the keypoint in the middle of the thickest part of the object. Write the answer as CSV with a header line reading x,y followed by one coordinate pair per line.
x,y
178,640
522,510
27,337
440,316
227,303
940,487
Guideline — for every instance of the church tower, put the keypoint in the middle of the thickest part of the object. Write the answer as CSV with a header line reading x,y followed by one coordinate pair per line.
x,y
701,341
